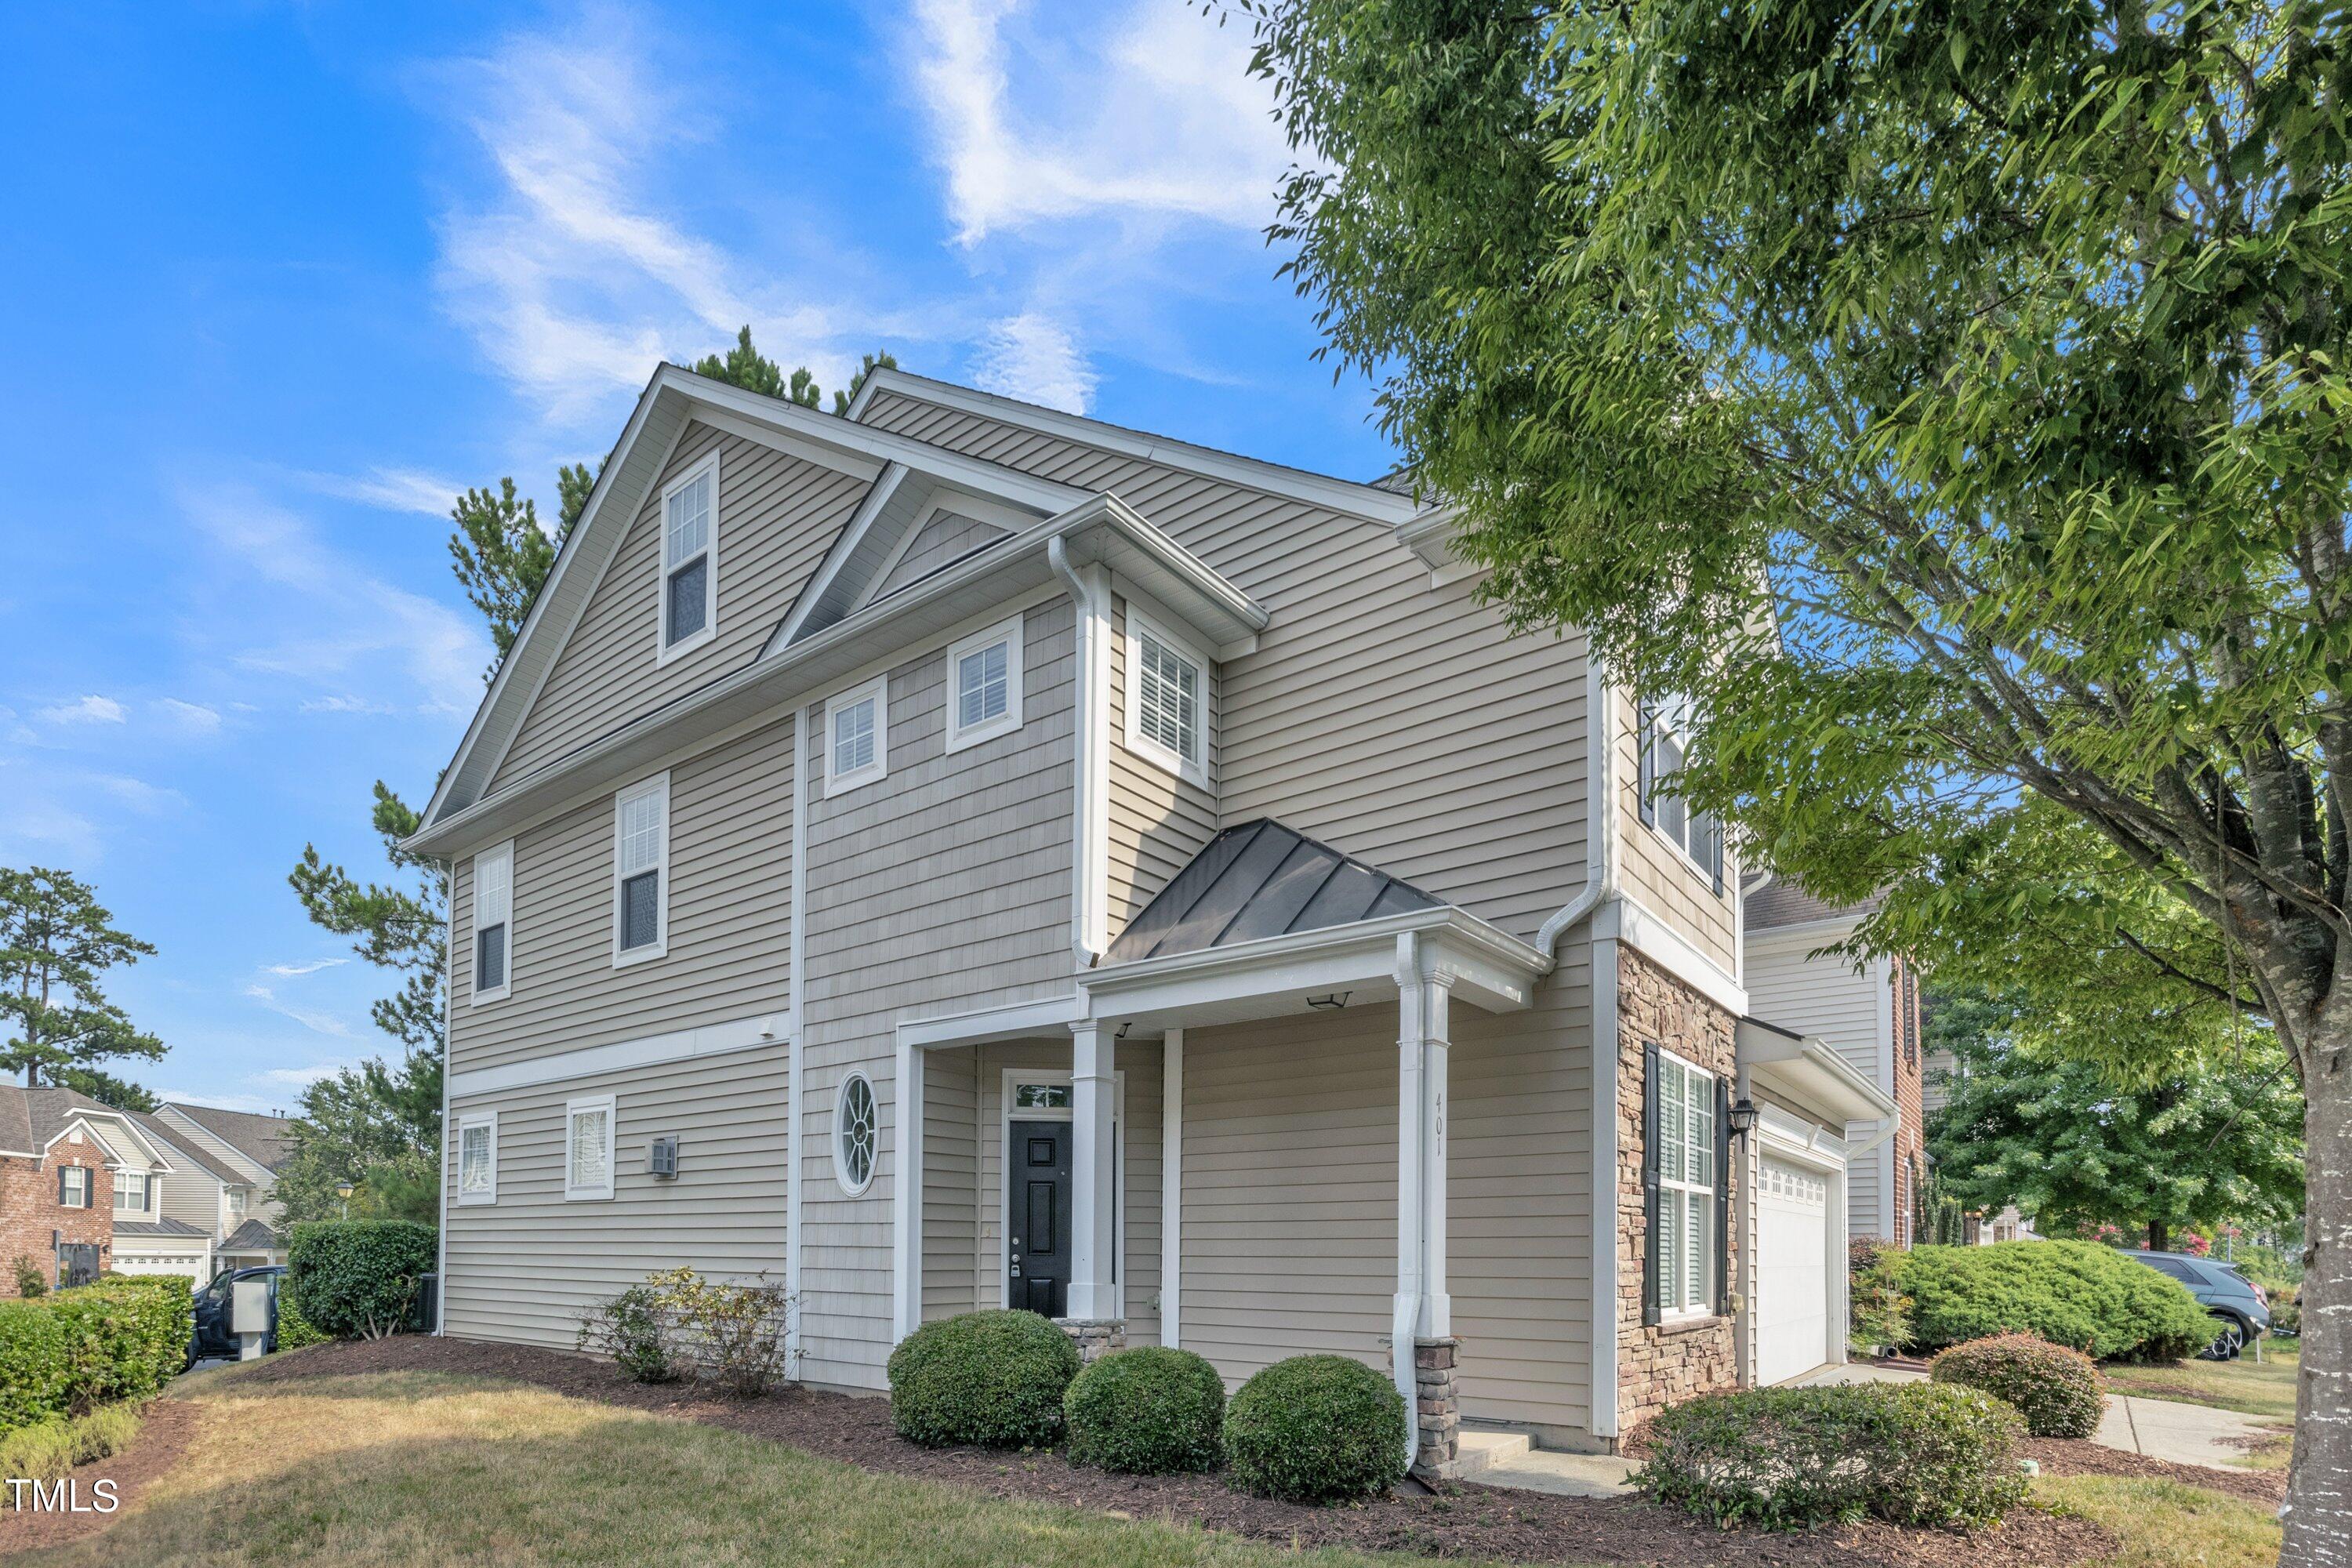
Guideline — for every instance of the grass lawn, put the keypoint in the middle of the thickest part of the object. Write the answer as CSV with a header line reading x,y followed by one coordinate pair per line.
x,y
430,1469
2240,1385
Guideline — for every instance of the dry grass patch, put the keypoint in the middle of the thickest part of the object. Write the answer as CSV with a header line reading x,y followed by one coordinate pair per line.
x,y
424,1468
2165,1524
2241,1386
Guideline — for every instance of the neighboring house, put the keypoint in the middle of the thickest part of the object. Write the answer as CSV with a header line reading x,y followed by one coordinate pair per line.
x,y
79,1185
1869,1012
1978,1230
216,1190
963,854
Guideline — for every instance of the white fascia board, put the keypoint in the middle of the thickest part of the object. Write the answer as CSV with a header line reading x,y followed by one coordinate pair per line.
x,y
1275,478
1811,1068
1641,928
621,1056
1022,1020
982,587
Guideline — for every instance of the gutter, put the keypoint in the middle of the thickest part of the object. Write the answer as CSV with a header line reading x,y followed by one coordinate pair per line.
x,y
1600,812
1087,939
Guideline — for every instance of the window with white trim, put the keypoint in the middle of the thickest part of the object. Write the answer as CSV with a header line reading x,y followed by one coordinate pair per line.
x,y
237,1196
131,1191
1167,699
984,685
478,1157
641,871
857,1134
858,736
1666,734
1687,1179
493,920
588,1148
690,592
73,1186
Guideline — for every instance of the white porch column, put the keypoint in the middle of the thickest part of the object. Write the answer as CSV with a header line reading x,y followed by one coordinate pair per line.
x,y
1094,1292
1435,1317
1422,1320
907,1197
1171,1187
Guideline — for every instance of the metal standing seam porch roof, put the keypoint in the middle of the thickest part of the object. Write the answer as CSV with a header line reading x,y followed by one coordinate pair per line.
x,y
1260,879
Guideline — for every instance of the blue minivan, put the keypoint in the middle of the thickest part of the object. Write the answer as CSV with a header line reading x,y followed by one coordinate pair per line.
x,y
2241,1309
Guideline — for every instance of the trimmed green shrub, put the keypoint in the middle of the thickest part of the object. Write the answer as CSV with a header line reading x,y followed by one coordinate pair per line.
x,y
635,1329
1789,1457
993,1380
32,1364
74,1349
1151,1410
31,1281
2075,1293
1878,1312
2055,1389
358,1279
295,1330
50,1449
1316,1428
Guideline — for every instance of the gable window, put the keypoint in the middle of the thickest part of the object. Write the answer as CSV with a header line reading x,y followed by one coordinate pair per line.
x,y
131,1191
237,1203
856,1135
1665,743
1681,1171
641,871
858,736
478,1158
73,1186
493,920
689,605
588,1148
1167,699
984,685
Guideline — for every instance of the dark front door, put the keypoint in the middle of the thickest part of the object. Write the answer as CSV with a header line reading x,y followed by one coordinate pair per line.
x,y
1037,1218
77,1264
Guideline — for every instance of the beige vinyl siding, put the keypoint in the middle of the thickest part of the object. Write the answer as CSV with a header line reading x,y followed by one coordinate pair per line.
x,y
946,539
731,870
194,1198
944,888
1158,820
1827,996
951,1142
1658,875
777,515
1395,720
524,1269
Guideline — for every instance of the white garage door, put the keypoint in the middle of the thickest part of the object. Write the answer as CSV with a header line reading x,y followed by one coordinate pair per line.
x,y
190,1263
1792,1271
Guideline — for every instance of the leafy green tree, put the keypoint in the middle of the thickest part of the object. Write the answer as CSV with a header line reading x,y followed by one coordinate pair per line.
x,y
745,367
56,943
106,1088
1949,400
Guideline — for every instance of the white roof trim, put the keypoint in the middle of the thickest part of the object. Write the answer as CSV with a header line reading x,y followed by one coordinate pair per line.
x,y
1276,478
1812,1068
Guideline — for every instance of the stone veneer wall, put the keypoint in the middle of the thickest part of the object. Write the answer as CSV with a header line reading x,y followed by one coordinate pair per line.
x,y
1663,1364
1908,1148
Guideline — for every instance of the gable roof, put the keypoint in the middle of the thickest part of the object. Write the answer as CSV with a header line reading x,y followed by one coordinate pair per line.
x,y
1781,903
189,1150
267,1141
1260,879
253,1236
32,1118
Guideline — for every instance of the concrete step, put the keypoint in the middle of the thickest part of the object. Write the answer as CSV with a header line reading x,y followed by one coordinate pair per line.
x,y
1482,1448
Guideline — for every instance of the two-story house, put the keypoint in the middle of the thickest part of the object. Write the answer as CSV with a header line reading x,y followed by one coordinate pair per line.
x,y
79,1191
1869,1012
964,855
220,1188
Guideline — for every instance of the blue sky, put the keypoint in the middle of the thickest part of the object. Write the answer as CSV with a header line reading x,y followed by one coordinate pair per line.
x,y
279,279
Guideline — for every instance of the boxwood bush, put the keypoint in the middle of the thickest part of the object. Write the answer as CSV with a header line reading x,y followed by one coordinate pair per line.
x,y
72,1350
1787,1457
2075,1293
1151,1410
2055,1389
358,1279
1316,1428
992,1379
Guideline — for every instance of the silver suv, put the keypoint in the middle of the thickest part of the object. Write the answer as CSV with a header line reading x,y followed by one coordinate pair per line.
x,y
2241,1309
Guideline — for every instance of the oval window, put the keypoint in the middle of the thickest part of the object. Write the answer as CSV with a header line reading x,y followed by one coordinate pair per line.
x,y
855,1138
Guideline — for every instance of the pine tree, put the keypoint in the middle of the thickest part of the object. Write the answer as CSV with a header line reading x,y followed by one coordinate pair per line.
x,y
56,943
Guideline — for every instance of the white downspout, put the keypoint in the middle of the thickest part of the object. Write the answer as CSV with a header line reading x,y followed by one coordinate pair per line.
x,y
445,1176
1600,810
1090,804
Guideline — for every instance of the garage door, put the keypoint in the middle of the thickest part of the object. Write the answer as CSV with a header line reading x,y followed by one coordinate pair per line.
x,y
1792,1271
190,1265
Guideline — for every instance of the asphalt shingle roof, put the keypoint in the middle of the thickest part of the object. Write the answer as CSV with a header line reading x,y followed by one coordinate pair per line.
x,y
267,1141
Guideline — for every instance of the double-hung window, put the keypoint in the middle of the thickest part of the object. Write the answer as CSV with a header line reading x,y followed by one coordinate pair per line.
x,y
858,736
588,1148
1687,1189
493,920
690,592
1665,743
984,685
478,1157
73,1186
641,871
1167,699
131,1191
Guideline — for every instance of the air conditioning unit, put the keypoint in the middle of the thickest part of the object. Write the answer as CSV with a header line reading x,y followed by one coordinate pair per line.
x,y
661,1156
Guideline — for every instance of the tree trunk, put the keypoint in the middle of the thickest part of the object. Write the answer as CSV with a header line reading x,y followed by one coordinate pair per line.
x,y
2318,1512
2159,1237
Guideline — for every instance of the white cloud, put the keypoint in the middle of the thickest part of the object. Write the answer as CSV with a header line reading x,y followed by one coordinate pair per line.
x,y
299,1078
193,717
1032,356
1156,114
309,1017
91,709
392,489
289,971
344,705
138,794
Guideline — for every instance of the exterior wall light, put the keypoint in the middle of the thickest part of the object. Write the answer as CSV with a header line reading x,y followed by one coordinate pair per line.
x,y
1330,1001
1743,1118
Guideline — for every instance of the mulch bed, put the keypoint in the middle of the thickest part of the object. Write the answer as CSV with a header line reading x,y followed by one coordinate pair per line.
x,y
163,1436
2081,1457
1458,1521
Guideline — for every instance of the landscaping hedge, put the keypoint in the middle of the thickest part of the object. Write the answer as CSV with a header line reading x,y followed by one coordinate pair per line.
x,y
1151,1411
992,1379
1788,1458
2075,1293
358,1279
72,1351
2055,1389
1316,1428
